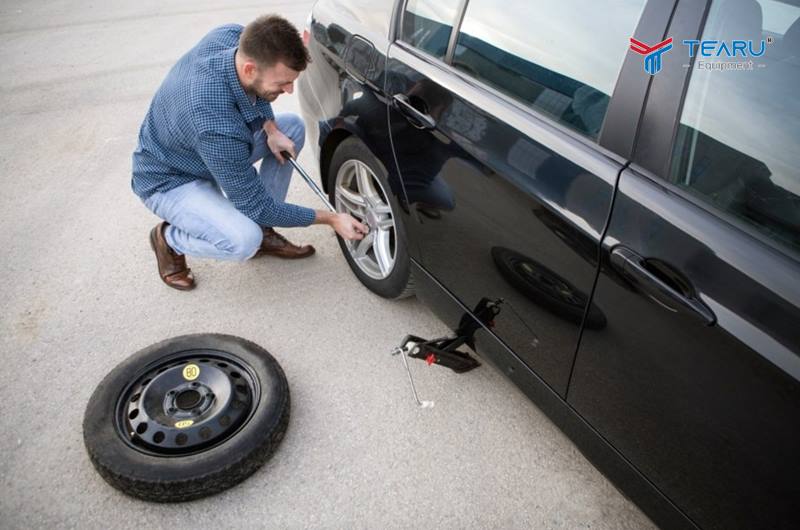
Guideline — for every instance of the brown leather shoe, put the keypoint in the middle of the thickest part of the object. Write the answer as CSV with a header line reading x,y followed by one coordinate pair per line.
x,y
275,244
171,266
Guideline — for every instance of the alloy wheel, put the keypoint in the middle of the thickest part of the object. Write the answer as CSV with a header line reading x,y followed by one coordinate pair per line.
x,y
359,193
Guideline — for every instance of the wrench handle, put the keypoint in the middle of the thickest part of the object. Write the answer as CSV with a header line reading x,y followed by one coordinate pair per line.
x,y
309,181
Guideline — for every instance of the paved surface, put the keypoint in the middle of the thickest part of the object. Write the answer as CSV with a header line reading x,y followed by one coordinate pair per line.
x,y
79,293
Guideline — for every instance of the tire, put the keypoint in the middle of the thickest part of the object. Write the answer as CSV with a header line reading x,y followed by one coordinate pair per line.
x,y
228,434
399,282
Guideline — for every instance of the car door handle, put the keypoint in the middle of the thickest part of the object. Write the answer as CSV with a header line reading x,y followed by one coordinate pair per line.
x,y
634,269
418,119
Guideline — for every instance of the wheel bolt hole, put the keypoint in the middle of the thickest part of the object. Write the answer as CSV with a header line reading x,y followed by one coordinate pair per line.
x,y
241,388
225,421
236,375
158,437
222,365
133,414
141,428
181,439
205,433
135,398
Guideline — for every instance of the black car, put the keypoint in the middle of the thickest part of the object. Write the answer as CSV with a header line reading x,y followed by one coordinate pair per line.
x,y
627,205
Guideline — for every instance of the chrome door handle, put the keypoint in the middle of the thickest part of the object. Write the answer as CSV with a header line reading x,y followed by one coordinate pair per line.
x,y
418,119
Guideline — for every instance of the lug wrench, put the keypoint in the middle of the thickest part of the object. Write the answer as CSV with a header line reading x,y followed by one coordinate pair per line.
x,y
309,181
397,351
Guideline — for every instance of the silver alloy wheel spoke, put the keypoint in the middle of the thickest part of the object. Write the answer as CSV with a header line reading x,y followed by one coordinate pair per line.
x,y
382,251
360,193
386,224
352,201
382,209
365,185
363,246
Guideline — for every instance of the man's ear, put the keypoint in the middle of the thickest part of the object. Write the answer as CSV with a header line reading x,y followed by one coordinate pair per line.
x,y
250,69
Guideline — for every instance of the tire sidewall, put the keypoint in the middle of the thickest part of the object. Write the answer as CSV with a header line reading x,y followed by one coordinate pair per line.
x,y
108,451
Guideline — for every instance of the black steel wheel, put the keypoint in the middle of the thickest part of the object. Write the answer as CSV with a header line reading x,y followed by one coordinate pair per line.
x,y
187,417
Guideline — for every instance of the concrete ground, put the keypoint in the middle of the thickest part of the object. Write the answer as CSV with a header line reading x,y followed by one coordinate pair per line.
x,y
80,293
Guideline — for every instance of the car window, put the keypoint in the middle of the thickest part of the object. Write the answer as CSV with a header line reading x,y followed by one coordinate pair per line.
x,y
738,142
560,57
428,24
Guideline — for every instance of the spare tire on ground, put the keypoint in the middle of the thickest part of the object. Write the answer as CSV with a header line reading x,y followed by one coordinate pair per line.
x,y
187,417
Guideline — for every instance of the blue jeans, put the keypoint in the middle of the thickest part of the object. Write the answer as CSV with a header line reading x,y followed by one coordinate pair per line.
x,y
205,224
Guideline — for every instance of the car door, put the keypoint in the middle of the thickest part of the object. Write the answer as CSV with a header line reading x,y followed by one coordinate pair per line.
x,y
496,140
696,377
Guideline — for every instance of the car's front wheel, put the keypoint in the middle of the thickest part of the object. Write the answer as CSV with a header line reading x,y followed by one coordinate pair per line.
x,y
358,185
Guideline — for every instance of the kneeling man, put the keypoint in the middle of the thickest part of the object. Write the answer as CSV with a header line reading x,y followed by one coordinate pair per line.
x,y
209,122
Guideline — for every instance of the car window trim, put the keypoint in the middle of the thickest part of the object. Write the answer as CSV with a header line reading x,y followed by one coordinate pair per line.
x,y
662,110
626,103
451,47
399,20
531,117
626,107
652,156
736,223
531,113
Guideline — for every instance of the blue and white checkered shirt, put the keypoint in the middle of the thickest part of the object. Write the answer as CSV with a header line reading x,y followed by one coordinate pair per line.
x,y
200,126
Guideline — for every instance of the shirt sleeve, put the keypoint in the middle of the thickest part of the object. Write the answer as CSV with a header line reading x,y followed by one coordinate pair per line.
x,y
227,159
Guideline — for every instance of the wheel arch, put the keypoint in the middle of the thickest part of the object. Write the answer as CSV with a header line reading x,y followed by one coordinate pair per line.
x,y
349,130
336,137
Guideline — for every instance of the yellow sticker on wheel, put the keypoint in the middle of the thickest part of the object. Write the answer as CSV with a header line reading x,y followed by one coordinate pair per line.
x,y
191,372
183,424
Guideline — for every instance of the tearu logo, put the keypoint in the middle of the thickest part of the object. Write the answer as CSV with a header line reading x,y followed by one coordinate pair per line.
x,y
652,54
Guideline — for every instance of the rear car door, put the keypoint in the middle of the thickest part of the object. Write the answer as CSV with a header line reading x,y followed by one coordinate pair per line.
x,y
495,118
696,378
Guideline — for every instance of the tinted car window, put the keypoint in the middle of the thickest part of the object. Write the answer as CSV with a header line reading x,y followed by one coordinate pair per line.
x,y
427,25
738,142
561,57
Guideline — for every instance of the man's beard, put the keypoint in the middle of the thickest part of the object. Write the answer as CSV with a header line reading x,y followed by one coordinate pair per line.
x,y
269,96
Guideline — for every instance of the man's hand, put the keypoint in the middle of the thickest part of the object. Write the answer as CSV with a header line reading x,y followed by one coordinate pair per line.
x,y
344,225
277,142
347,227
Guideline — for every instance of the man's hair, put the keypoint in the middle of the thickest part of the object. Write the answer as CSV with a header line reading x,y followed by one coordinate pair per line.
x,y
270,39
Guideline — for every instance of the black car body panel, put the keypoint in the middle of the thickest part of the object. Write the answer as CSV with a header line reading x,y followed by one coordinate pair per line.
x,y
662,336
602,454
702,398
535,243
708,413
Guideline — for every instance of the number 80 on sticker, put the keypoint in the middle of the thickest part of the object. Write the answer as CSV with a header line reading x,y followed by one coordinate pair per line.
x,y
191,372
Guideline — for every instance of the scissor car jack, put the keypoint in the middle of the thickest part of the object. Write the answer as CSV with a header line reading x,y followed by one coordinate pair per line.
x,y
444,351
